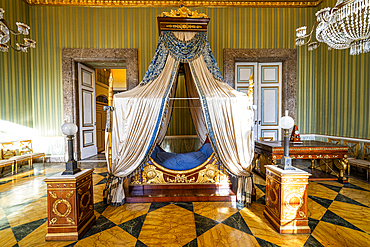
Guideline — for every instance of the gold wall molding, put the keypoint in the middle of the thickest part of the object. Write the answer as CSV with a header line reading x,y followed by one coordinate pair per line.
x,y
122,3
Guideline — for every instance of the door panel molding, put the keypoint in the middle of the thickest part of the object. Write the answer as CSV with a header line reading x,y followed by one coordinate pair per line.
x,y
87,111
263,109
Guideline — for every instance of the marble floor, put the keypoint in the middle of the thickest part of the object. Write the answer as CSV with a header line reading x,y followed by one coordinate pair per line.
x,y
339,215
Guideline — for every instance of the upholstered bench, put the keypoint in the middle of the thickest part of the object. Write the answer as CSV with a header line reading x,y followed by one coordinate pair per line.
x,y
363,163
8,153
4,163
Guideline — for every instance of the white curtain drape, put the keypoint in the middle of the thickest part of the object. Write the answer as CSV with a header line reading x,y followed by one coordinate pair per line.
x,y
229,121
136,120
195,106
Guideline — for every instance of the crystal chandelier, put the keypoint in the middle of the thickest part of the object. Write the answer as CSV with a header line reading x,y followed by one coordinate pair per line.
x,y
5,32
346,25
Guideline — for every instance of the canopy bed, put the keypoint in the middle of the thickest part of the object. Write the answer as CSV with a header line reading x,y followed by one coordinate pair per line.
x,y
222,117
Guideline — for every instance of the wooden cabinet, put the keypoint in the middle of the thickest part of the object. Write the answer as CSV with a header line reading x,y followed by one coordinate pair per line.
x,y
70,205
286,200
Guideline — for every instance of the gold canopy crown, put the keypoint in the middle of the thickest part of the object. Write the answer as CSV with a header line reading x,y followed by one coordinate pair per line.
x,y
183,12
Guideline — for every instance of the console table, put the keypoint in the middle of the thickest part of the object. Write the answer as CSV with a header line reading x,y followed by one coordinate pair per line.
x,y
268,152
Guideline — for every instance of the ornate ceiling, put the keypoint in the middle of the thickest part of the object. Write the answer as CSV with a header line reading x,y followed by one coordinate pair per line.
x,y
211,3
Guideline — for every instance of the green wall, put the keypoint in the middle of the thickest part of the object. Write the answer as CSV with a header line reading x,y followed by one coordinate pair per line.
x,y
55,28
15,69
342,92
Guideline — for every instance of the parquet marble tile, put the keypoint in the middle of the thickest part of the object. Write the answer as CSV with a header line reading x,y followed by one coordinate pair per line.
x,y
223,235
7,238
218,211
338,216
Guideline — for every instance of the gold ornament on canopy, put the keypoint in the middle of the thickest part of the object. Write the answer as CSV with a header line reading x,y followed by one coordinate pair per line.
x,y
6,31
183,12
346,25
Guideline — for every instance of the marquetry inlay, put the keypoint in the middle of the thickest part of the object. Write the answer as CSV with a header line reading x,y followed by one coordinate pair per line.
x,y
70,205
286,200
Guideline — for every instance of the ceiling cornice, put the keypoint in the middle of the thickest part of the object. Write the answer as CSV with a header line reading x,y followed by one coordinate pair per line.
x,y
215,3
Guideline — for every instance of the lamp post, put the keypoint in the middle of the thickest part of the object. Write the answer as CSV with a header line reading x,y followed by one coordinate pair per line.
x,y
70,129
286,123
72,194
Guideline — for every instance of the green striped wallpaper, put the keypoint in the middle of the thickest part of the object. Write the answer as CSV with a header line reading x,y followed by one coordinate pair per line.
x,y
84,27
15,83
181,122
40,102
342,92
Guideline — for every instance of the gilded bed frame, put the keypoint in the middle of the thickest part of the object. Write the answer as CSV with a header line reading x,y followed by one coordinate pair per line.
x,y
152,173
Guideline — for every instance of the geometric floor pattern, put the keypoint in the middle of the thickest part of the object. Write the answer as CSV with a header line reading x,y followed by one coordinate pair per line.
x,y
339,215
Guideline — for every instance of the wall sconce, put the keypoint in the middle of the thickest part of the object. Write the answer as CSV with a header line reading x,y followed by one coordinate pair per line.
x,y
70,129
286,123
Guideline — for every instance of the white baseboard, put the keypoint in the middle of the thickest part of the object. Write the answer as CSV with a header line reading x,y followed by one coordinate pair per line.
x,y
315,136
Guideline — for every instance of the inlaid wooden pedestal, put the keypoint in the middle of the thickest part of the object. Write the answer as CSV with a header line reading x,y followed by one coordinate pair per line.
x,y
286,200
70,205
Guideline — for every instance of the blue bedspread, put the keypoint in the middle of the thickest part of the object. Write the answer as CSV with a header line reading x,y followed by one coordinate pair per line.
x,y
180,162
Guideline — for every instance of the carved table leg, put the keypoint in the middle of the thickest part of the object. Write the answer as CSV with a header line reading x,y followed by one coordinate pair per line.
x,y
312,164
341,164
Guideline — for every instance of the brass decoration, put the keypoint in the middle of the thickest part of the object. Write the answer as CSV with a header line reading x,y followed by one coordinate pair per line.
x,y
183,12
79,191
56,211
341,164
53,220
88,194
53,195
293,208
136,179
302,214
71,221
208,174
147,3
70,194
181,179
184,26
153,175
91,207
251,89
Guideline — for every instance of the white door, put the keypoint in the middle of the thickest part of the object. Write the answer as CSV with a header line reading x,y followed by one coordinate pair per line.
x,y
86,81
269,100
243,71
267,95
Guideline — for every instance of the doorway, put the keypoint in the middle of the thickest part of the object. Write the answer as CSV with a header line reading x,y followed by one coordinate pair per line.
x,y
267,95
288,60
71,57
